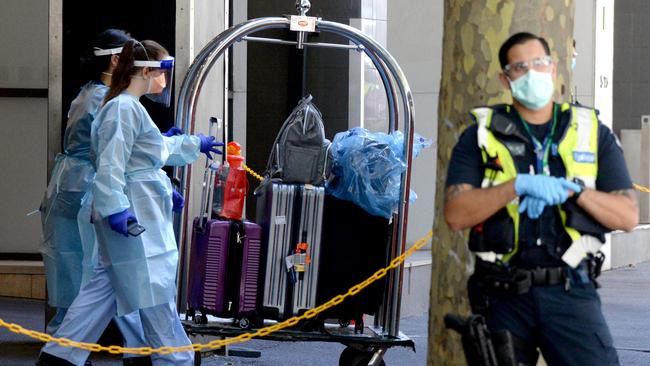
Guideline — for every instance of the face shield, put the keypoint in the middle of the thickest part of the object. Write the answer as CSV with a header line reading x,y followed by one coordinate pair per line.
x,y
107,52
160,79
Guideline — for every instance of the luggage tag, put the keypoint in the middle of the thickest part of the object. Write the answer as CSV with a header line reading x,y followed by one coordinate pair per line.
x,y
289,262
299,262
301,258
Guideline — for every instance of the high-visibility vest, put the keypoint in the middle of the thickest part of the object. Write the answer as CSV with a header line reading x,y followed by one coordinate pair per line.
x,y
578,149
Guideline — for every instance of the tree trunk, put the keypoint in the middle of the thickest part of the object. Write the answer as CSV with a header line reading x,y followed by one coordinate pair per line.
x,y
473,32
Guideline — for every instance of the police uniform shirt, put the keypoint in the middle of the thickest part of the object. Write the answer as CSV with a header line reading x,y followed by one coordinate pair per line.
x,y
542,241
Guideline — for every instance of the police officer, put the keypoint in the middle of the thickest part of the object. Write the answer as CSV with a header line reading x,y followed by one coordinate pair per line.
x,y
539,183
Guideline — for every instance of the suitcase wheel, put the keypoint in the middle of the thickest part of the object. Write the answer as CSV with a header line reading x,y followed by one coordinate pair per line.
x,y
189,314
257,322
200,319
244,323
310,325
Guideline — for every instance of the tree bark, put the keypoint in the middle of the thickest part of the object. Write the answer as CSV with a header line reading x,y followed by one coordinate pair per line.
x,y
473,32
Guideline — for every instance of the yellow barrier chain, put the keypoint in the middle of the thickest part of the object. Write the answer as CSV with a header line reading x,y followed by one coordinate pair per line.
x,y
641,188
223,342
251,172
419,244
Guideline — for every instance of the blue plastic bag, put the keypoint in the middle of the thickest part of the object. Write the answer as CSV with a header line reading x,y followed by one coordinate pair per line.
x,y
367,168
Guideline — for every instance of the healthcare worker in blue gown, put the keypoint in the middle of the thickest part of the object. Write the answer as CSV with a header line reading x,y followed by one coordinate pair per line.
x,y
135,273
68,249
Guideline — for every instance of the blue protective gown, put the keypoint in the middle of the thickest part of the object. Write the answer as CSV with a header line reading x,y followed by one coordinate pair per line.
x,y
72,177
69,250
130,152
131,273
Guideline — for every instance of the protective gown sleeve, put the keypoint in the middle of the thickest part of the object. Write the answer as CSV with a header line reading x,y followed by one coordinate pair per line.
x,y
183,149
116,133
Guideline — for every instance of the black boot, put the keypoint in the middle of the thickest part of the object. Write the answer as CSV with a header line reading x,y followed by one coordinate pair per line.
x,y
46,359
137,361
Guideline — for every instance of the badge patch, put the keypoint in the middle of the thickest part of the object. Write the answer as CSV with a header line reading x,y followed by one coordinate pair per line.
x,y
584,157
516,148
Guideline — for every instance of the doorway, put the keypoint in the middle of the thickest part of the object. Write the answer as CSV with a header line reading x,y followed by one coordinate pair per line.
x,y
143,19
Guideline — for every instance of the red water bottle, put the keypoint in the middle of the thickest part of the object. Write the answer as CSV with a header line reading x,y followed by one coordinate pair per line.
x,y
236,184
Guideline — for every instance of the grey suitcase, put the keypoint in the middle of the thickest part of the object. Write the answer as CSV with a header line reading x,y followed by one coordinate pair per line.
x,y
290,214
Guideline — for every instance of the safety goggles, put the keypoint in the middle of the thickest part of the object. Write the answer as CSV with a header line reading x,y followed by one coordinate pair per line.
x,y
165,66
541,64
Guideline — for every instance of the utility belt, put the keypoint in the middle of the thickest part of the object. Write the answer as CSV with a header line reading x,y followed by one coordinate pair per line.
x,y
493,279
511,281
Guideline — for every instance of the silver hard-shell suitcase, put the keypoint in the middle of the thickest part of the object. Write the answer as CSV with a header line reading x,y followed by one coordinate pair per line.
x,y
290,214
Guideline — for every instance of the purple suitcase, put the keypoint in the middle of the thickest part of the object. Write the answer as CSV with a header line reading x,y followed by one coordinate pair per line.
x,y
224,275
224,262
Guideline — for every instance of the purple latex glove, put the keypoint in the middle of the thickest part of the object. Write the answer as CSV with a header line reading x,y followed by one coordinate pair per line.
x,y
173,132
208,145
119,221
178,201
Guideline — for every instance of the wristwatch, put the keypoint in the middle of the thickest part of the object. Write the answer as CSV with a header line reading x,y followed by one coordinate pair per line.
x,y
580,183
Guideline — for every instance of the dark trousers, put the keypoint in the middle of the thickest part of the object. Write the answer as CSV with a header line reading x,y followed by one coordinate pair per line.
x,y
567,326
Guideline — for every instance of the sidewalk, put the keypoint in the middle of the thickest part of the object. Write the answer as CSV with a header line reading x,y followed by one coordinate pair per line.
x,y
625,297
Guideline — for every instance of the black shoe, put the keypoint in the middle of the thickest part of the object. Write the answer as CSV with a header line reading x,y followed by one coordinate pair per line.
x,y
46,359
137,361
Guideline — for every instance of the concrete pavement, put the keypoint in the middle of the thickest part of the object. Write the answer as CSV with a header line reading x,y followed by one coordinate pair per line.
x,y
625,296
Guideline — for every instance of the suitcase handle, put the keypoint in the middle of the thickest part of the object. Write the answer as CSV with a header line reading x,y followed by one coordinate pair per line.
x,y
224,134
208,175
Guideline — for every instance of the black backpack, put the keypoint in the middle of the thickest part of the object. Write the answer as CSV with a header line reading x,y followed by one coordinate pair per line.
x,y
301,153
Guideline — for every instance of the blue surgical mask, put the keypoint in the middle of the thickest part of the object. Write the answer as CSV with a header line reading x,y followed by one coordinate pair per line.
x,y
573,63
534,89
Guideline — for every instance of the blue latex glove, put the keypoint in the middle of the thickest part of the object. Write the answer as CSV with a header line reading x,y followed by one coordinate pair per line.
x,y
119,221
533,207
208,145
552,190
178,200
173,132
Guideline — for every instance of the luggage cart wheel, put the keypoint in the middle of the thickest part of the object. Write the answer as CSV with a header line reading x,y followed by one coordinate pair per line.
x,y
354,357
244,323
